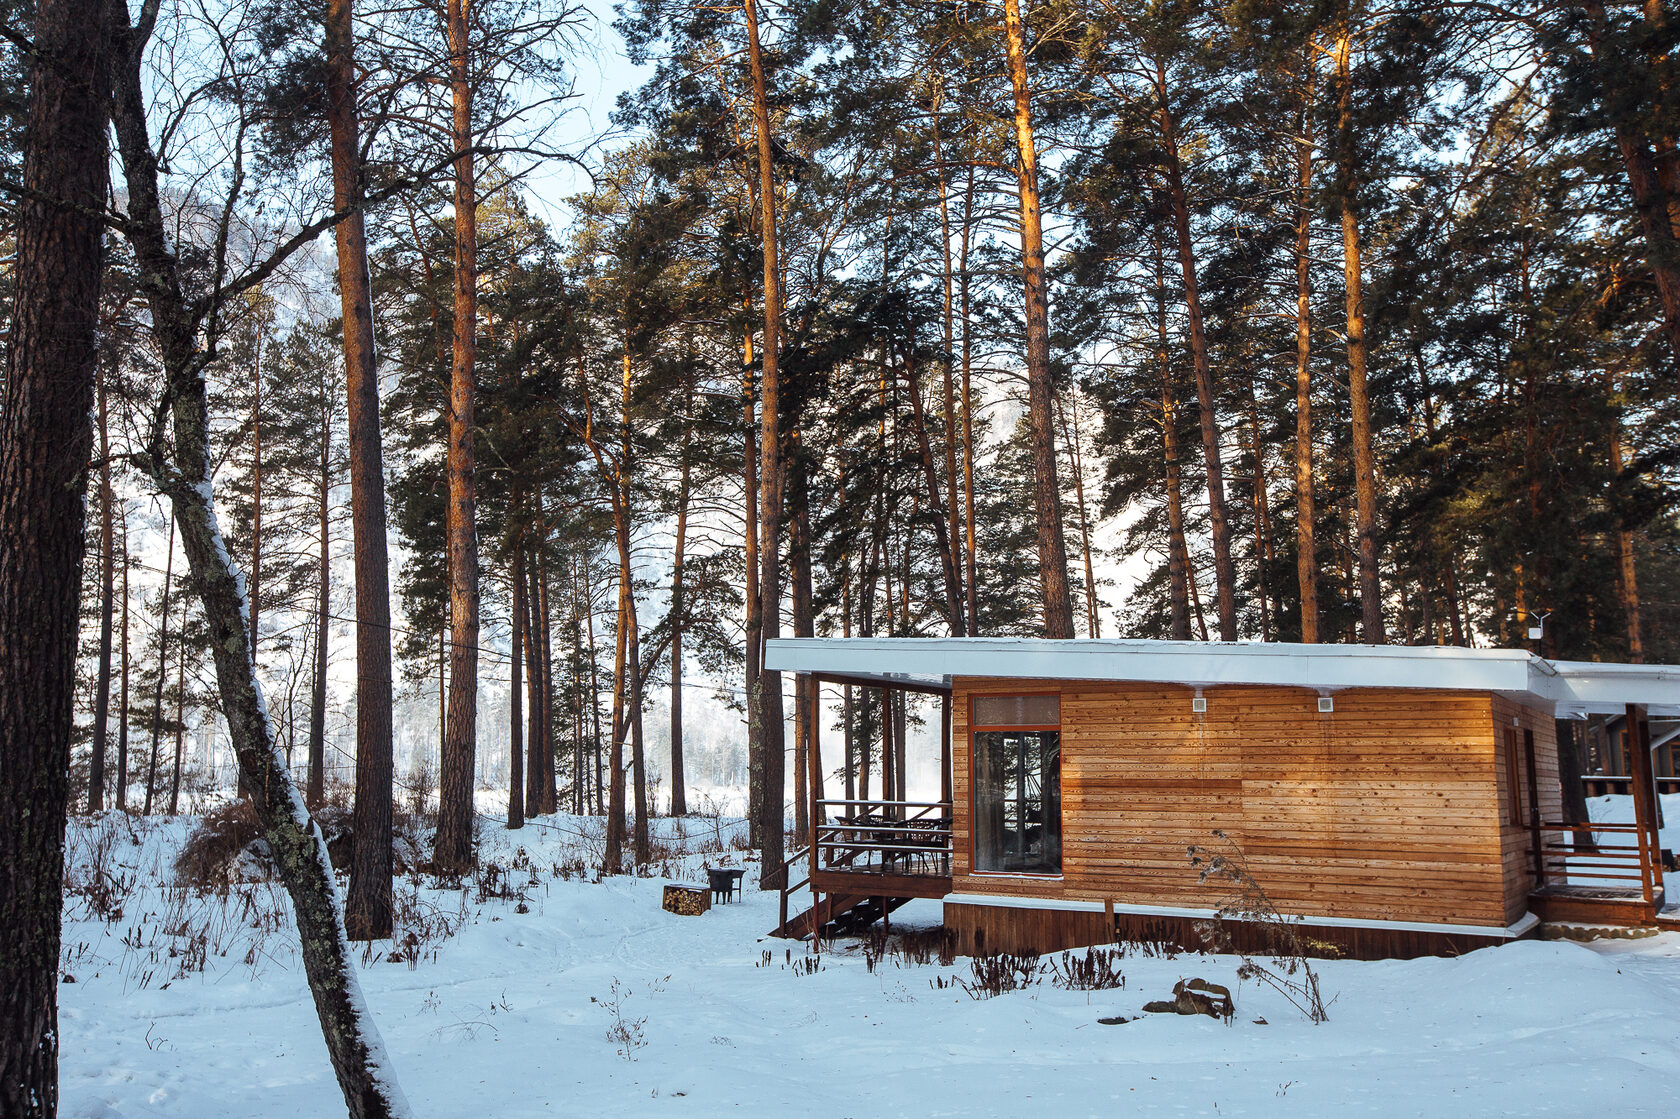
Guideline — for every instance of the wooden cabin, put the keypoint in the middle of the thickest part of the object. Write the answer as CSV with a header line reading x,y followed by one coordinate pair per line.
x,y
1390,800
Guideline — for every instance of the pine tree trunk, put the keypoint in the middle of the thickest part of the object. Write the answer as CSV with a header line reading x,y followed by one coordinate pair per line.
x,y
1178,551
535,689
679,792
948,561
1262,516
767,703
254,584
122,687
368,906
1628,576
1070,437
316,790
638,759
972,586
516,747
1306,547
594,681
755,604
549,798
163,670
454,851
580,768
953,511
1223,569
1646,168
180,728
45,444
107,595
804,690
613,862
1047,494
582,792
1364,460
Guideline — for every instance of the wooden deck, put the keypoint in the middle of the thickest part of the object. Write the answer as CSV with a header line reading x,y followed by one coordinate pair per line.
x,y
867,858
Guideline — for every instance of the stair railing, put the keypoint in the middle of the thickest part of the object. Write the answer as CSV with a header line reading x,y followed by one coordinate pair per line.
x,y
788,885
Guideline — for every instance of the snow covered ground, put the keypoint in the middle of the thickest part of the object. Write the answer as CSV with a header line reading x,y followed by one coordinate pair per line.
x,y
185,1005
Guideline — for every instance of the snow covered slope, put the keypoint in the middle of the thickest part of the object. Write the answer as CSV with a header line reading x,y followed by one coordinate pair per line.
x,y
510,1015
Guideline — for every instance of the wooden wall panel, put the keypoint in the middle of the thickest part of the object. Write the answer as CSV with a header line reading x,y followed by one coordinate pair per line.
x,y
1516,840
1384,809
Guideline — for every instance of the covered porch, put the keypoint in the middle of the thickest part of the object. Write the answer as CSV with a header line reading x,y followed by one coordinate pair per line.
x,y
868,856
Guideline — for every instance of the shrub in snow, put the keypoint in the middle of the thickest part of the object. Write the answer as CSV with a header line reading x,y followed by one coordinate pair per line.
x,y
1290,973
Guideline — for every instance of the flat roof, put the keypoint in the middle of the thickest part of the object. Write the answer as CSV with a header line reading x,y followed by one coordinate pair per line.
x,y
1572,689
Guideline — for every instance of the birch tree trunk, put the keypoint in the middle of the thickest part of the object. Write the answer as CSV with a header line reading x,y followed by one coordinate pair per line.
x,y
300,853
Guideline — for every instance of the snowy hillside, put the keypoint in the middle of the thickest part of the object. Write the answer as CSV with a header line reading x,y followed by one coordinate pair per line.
x,y
539,992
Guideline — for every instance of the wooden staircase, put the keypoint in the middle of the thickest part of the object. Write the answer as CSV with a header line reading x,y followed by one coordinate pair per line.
x,y
839,915
864,864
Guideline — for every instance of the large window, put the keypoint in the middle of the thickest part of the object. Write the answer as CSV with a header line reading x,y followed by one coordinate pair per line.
x,y
1017,784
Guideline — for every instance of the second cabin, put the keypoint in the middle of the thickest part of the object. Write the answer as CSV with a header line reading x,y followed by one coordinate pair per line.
x,y
1392,801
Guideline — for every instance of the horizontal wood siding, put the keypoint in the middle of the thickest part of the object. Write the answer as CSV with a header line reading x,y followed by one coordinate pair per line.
x,y
1385,809
1516,840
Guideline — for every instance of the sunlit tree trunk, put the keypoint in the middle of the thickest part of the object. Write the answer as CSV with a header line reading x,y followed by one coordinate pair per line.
x,y
1364,460
767,704
453,852
368,904
1306,547
1047,499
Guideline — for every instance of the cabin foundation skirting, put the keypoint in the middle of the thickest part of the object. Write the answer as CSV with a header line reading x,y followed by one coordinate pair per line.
x,y
1020,926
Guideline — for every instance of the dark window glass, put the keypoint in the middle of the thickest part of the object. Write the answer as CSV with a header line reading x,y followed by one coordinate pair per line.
x,y
1018,801
1017,710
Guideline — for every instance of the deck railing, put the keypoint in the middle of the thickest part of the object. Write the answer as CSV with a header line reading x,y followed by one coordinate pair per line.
x,y
1575,855
883,837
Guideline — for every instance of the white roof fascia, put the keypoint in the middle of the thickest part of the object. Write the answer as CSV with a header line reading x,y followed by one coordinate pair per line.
x,y
1594,688
1574,688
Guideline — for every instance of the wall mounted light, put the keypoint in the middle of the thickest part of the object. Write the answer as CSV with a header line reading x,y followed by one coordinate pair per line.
x,y
1326,705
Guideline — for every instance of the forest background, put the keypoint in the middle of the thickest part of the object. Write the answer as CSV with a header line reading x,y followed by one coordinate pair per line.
x,y
1362,326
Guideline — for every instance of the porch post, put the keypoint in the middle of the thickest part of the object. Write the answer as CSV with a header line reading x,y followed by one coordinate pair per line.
x,y
945,747
1644,800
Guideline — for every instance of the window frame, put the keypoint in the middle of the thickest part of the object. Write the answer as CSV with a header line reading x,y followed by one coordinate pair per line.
x,y
976,728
